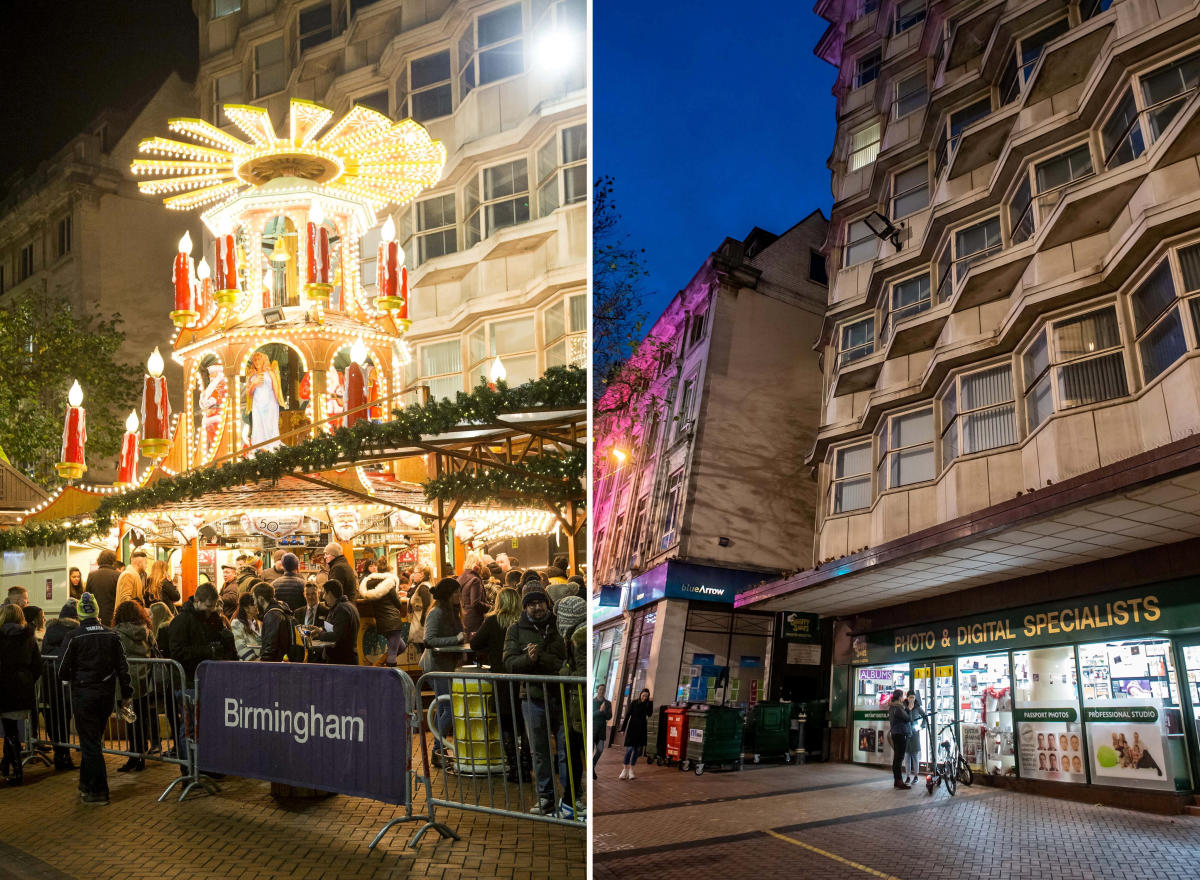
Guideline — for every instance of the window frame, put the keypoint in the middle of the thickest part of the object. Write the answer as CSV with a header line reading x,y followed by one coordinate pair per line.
x,y
491,352
851,243
953,390
890,315
254,50
884,452
329,29
1038,207
409,91
478,180
961,266
219,15
912,19
571,334
470,65
872,147
421,234
418,360
834,508
896,196
900,96
862,70
557,175
860,351
63,236
217,101
1174,273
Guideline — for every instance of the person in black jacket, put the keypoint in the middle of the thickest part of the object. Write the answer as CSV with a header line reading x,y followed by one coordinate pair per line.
x,y
20,668
634,726
341,626
533,647
341,570
102,584
93,663
289,587
197,633
489,642
276,624
57,708
900,723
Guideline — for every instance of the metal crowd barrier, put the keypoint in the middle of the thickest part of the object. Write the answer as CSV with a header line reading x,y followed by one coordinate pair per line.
x,y
164,730
505,752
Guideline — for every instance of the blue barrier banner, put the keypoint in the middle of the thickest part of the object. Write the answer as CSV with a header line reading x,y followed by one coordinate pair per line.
x,y
334,728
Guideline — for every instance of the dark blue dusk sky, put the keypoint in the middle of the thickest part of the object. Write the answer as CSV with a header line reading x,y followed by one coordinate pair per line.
x,y
713,118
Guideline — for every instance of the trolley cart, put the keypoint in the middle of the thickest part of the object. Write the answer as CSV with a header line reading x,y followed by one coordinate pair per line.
x,y
677,734
714,738
656,737
768,732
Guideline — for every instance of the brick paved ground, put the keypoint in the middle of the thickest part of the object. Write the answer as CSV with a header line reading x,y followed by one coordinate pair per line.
x,y
843,821
244,832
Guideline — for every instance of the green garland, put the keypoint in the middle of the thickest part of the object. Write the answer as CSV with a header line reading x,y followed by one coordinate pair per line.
x,y
495,484
559,388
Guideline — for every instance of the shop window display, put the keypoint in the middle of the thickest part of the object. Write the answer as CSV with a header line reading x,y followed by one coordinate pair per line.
x,y
1046,698
873,687
985,710
1131,711
935,686
726,658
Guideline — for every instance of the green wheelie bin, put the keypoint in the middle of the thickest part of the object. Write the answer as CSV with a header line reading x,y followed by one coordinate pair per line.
x,y
714,738
769,731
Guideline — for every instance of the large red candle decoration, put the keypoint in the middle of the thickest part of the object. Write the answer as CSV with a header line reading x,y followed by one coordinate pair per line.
x,y
227,277
156,410
387,272
316,252
356,384
185,284
129,451
71,466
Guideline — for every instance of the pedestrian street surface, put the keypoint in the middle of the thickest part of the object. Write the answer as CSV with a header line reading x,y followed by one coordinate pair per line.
x,y
46,834
845,822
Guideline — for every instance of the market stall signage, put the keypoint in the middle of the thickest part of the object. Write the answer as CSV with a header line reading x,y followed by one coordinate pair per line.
x,y
1120,715
274,526
345,524
799,626
1064,715
1119,614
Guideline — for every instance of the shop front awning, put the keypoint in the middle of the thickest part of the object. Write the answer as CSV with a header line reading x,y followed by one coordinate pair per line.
x,y
1149,500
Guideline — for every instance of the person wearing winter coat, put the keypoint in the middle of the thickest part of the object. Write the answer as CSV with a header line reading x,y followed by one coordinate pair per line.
x,y
601,714
443,629
420,603
247,633
58,711
533,646
197,633
93,664
20,669
131,623
571,619
341,570
129,589
489,642
473,596
635,727
289,587
382,590
900,723
102,584
277,625
340,639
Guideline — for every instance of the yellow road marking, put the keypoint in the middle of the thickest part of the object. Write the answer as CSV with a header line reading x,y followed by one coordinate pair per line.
x,y
834,856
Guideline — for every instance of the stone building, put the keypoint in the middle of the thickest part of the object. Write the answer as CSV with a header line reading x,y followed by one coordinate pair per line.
x,y
700,486
76,227
497,251
1008,451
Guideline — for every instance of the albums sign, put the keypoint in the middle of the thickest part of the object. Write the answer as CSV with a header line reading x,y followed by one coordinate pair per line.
x,y
1166,606
332,728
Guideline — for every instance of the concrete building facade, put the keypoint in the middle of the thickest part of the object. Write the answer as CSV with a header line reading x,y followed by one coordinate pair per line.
x,y
497,251
1010,384
699,484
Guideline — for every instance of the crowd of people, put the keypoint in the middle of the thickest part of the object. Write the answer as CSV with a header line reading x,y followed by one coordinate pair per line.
x,y
524,621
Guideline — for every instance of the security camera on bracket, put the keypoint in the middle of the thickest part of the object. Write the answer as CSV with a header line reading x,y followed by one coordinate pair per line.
x,y
884,229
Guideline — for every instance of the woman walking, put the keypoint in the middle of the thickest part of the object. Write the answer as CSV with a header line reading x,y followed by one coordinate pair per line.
x,y
601,715
634,726
899,721
132,623
20,667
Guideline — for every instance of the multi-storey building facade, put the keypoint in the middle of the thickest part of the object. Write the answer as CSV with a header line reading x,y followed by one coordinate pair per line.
x,y
1011,391
497,251
77,228
699,483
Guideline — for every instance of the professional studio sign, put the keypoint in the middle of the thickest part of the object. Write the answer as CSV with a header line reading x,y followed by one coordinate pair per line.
x,y
332,728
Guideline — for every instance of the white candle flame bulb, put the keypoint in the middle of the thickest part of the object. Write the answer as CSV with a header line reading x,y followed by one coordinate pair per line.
x,y
358,352
317,215
185,243
202,271
388,233
268,280
154,366
498,373
225,227
131,422
75,395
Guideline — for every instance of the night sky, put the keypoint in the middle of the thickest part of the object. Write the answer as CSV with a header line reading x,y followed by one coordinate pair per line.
x,y
713,119
61,63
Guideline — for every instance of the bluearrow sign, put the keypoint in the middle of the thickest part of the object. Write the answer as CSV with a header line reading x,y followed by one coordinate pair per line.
x,y
1165,606
333,728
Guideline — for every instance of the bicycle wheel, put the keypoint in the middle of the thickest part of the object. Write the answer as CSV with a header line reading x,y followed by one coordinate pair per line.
x,y
965,776
950,778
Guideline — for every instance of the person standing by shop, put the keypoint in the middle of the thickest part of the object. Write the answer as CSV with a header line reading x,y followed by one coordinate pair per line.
x,y
289,586
20,667
474,598
341,570
900,723
634,726
601,715
442,630
93,664
57,710
131,623
102,584
912,754
74,583
340,640
382,588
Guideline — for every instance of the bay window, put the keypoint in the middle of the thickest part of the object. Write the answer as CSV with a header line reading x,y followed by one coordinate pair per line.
x,y
850,484
491,49
562,169
512,341
1043,187
425,88
564,331
1121,133
906,449
952,133
1167,89
910,191
909,14
270,68
1073,362
1156,322
1189,270
975,243
866,68
1031,46
911,95
861,244
978,412
857,340
505,202
315,26
440,365
436,234
864,147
